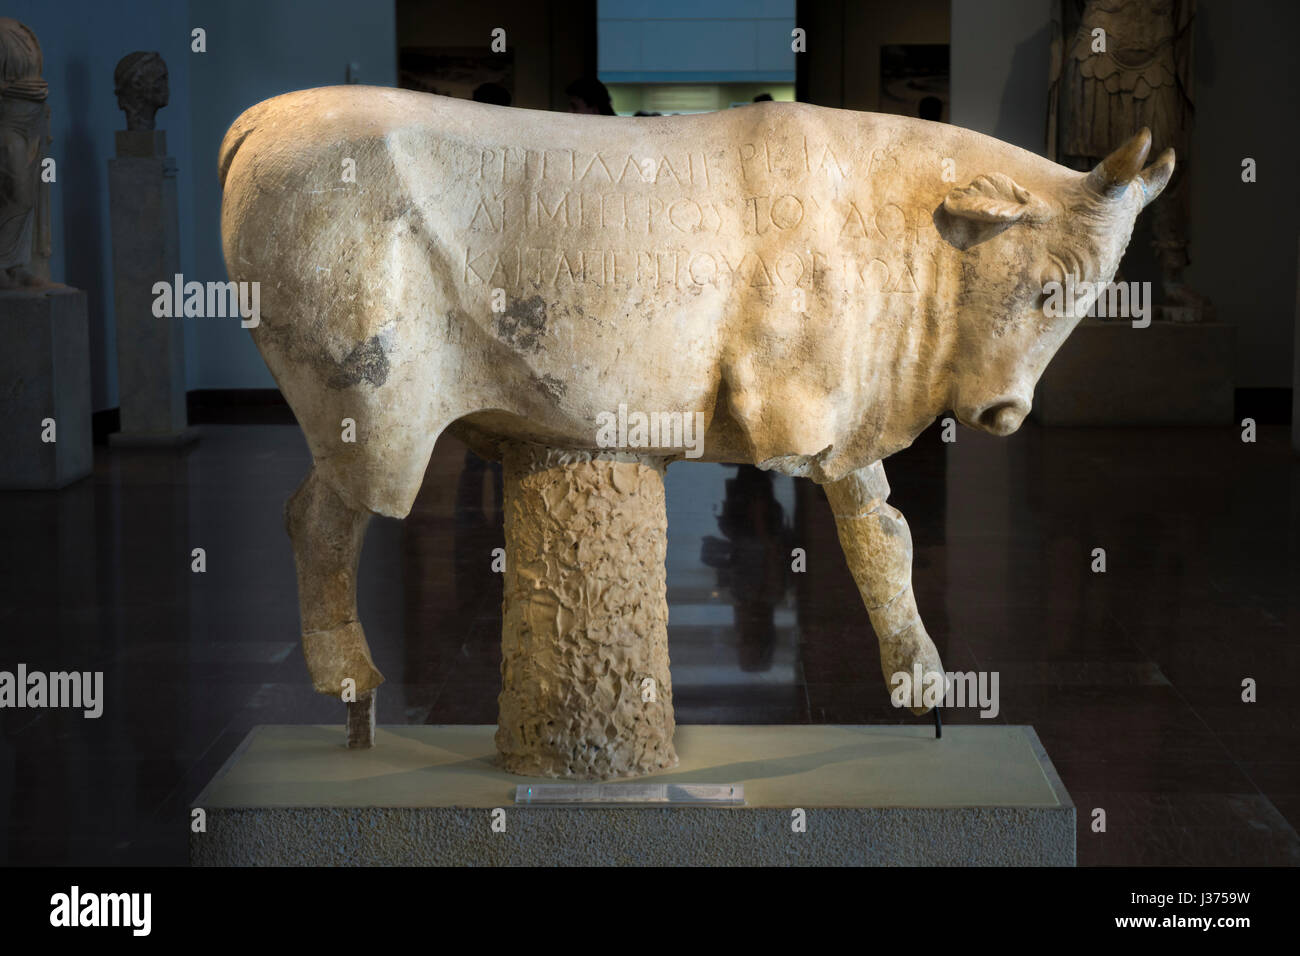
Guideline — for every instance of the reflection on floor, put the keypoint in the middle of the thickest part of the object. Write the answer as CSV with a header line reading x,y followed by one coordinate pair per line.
x,y
1132,677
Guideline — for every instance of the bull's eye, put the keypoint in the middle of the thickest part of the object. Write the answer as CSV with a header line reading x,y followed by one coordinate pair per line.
x,y
1050,289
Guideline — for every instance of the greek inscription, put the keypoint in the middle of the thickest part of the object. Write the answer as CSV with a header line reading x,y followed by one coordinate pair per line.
x,y
568,217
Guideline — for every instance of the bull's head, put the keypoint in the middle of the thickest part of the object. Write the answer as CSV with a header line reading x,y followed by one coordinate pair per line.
x,y
1012,243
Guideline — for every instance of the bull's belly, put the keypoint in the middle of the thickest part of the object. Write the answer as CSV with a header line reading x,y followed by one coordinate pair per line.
x,y
655,399
702,436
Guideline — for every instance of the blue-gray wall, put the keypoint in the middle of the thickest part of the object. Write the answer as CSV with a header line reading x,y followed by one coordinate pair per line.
x,y
258,49
255,49
82,40
1000,63
695,41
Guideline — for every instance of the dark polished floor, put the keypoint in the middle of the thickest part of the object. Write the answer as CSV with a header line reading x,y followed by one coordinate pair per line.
x,y
1132,678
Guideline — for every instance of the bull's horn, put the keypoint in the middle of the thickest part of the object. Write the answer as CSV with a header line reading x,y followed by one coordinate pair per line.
x,y
1156,176
1116,171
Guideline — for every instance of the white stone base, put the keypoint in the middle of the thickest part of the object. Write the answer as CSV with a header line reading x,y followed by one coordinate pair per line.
x,y
875,796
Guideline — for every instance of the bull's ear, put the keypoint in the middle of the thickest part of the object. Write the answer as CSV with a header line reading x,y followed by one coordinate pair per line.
x,y
995,198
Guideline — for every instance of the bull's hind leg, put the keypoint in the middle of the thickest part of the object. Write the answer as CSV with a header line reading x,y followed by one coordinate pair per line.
x,y
878,546
327,535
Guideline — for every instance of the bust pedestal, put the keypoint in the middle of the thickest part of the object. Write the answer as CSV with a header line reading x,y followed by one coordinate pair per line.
x,y
146,250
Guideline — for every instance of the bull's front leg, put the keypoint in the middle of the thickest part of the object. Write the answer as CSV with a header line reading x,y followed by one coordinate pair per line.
x,y
878,547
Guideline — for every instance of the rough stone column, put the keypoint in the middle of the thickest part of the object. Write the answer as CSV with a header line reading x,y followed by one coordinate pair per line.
x,y
585,616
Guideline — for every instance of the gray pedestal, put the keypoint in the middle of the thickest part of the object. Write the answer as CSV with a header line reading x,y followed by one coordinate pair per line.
x,y
982,795
1170,373
146,250
44,374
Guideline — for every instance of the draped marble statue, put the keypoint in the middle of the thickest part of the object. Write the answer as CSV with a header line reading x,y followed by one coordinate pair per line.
x,y
45,428
25,241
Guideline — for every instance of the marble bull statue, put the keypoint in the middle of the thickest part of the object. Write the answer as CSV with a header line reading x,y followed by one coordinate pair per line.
x,y
820,285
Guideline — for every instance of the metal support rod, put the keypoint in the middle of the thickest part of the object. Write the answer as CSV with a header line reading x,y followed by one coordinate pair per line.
x,y
361,721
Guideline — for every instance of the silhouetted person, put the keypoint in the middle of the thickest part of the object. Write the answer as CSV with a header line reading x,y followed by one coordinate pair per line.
x,y
931,108
475,531
588,95
763,98
493,93
751,561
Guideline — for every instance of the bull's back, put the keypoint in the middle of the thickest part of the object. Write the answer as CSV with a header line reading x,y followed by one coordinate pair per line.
x,y
312,203
535,245
560,265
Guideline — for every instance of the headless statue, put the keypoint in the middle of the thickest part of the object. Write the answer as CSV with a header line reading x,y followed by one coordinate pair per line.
x,y
1118,65
24,136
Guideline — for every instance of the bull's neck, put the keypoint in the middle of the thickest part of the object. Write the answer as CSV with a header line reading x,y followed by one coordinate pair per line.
x,y
908,383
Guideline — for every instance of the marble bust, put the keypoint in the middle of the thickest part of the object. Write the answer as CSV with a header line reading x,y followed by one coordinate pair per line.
x,y
140,82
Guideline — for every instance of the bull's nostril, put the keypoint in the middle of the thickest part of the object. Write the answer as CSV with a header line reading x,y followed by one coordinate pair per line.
x,y
1002,418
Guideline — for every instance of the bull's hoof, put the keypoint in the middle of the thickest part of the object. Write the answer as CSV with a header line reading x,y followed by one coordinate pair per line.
x,y
911,653
339,655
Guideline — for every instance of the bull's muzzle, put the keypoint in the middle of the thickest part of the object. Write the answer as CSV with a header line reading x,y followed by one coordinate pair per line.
x,y
1000,418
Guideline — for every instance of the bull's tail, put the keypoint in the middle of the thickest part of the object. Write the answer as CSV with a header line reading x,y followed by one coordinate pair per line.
x,y
245,124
